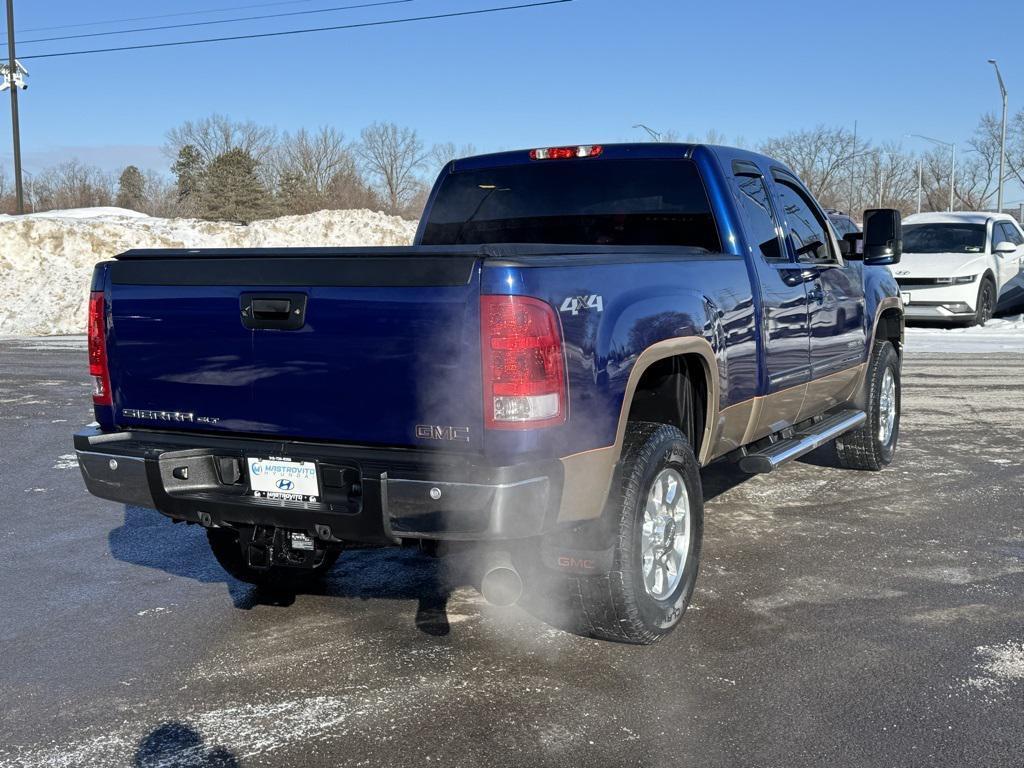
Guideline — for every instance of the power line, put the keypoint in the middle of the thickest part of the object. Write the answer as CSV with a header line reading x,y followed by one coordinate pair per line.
x,y
167,15
386,22
214,21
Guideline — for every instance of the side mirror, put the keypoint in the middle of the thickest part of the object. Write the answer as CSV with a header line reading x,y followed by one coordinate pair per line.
x,y
1004,246
883,236
852,246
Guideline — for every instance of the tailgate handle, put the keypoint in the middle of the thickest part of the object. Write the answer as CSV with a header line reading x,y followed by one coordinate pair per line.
x,y
269,309
283,311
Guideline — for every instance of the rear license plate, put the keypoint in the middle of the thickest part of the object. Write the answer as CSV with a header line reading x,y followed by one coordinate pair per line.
x,y
283,479
905,297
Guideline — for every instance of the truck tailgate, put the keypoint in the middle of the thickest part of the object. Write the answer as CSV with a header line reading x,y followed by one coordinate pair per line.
x,y
386,345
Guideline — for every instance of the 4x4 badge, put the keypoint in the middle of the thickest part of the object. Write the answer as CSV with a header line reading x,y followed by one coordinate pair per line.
x,y
575,303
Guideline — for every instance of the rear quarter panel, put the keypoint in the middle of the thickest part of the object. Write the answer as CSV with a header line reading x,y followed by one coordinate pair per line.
x,y
641,303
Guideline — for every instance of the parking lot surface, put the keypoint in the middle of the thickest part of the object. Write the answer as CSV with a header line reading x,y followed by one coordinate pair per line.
x,y
840,618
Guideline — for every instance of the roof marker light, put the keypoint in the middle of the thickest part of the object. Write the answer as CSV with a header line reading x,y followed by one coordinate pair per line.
x,y
566,153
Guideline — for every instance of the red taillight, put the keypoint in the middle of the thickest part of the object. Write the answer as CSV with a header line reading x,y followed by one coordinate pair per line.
x,y
523,363
98,350
565,153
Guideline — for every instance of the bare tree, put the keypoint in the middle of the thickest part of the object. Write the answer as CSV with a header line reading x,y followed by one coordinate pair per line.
x,y
819,156
70,185
393,157
217,134
313,157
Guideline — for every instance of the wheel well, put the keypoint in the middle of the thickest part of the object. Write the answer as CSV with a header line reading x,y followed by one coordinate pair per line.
x,y
989,276
890,328
673,391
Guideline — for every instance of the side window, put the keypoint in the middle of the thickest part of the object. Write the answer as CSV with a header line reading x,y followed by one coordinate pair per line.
x,y
806,227
763,229
1010,233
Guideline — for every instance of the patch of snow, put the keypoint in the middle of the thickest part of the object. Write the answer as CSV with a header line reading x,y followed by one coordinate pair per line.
x,y
66,461
83,213
1001,334
46,259
998,665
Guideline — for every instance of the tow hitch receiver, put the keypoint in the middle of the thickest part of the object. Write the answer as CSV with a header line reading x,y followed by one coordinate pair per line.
x,y
264,547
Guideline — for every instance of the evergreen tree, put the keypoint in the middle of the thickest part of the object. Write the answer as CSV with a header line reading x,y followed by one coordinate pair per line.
x,y
131,189
232,190
295,195
189,171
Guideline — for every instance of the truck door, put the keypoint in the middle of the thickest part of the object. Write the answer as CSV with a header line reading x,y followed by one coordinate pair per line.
x,y
784,320
835,292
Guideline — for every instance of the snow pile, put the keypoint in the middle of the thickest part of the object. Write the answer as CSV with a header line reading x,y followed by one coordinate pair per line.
x,y
1005,334
46,259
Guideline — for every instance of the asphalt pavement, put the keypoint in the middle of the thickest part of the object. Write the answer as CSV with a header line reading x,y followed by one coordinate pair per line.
x,y
840,618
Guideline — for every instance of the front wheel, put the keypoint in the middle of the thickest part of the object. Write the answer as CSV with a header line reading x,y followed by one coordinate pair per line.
x,y
659,507
873,445
986,303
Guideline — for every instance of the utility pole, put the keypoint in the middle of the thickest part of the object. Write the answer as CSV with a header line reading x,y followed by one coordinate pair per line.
x,y
952,160
1002,139
11,73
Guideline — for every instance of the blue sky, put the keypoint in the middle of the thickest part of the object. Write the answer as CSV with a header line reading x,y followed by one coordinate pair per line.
x,y
578,72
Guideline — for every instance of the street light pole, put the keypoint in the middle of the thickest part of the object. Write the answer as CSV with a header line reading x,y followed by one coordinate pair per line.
x,y
13,68
1002,138
655,136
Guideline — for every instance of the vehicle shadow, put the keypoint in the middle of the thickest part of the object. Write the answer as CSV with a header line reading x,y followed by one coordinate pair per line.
x,y
176,745
149,539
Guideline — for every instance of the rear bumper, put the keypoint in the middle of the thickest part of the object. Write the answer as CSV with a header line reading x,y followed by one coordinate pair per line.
x,y
367,495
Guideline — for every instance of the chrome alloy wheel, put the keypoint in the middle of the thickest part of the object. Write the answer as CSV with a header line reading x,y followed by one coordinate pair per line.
x,y
665,537
887,407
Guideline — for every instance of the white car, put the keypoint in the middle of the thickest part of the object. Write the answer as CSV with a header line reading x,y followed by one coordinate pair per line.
x,y
957,266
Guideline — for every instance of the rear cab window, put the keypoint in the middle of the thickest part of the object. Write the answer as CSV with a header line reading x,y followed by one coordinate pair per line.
x,y
762,227
808,231
575,202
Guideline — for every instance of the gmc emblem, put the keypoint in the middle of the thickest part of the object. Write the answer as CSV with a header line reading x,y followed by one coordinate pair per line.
x,y
435,432
566,561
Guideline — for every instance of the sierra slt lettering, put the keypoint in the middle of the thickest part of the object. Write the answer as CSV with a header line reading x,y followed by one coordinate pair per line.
x,y
177,417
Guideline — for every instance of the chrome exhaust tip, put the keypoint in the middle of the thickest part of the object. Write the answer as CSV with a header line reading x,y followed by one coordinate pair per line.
x,y
501,584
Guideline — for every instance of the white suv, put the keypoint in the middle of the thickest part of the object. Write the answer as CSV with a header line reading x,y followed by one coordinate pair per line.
x,y
956,266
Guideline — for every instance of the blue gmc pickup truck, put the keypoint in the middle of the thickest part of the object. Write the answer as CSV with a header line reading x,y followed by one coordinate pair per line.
x,y
575,333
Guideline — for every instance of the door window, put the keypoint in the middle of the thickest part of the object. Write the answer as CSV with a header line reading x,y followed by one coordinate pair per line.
x,y
807,227
1010,233
761,224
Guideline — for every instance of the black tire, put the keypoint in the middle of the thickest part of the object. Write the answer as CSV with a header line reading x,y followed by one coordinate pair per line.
x,y
986,306
224,545
864,448
618,606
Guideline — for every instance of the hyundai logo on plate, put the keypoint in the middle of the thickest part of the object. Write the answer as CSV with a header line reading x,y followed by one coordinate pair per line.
x,y
285,485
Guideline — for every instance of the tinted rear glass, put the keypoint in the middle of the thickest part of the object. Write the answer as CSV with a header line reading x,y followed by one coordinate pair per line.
x,y
578,202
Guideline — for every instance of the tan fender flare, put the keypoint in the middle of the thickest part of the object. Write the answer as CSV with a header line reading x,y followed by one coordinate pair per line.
x,y
588,475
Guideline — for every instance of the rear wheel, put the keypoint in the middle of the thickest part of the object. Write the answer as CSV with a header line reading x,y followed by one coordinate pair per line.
x,y
226,548
873,445
659,507
986,302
